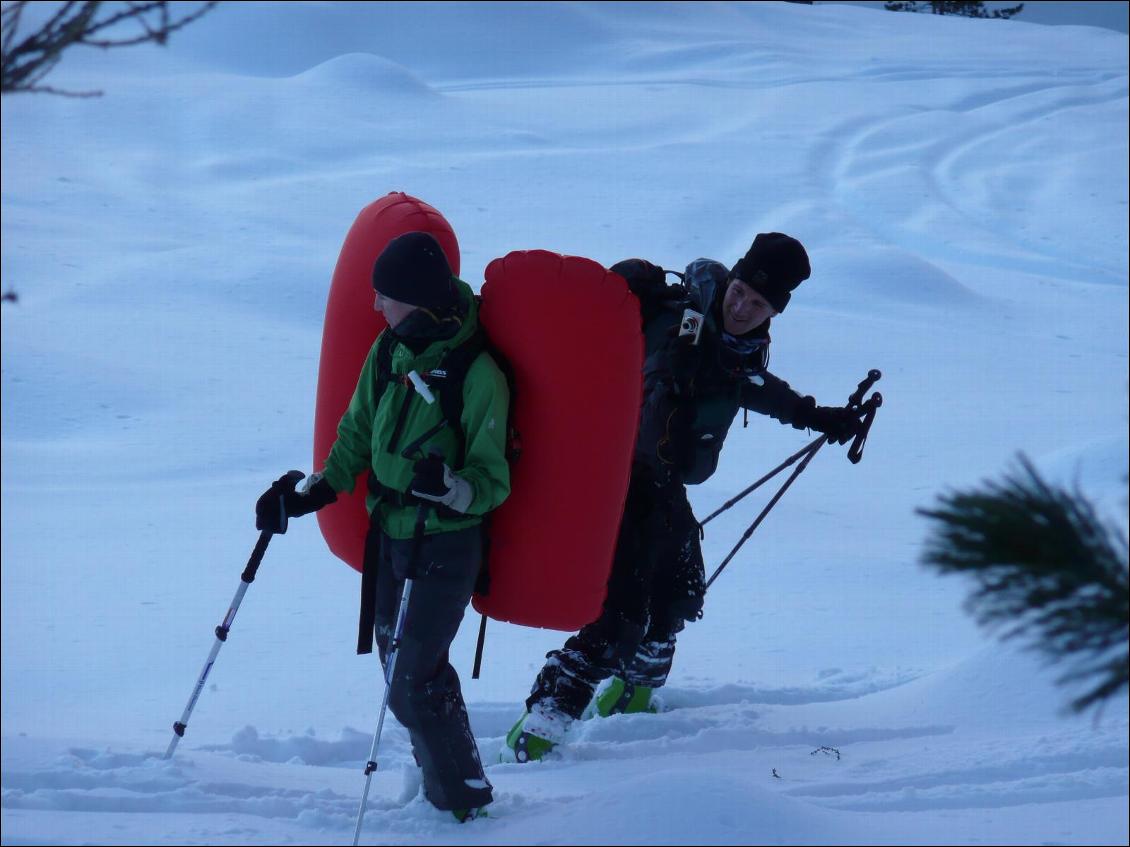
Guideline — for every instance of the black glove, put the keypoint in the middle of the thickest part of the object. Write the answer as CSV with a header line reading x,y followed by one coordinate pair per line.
x,y
647,281
282,501
839,423
644,279
435,481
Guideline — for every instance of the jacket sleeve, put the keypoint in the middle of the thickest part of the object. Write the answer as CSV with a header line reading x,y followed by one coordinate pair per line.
x,y
352,451
770,395
486,405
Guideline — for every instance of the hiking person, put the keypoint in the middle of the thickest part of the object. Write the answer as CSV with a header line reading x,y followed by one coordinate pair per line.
x,y
422,464
706,357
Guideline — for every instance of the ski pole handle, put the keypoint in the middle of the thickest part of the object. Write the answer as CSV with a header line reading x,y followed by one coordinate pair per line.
x,y
256,559
855,452
867,409
873,376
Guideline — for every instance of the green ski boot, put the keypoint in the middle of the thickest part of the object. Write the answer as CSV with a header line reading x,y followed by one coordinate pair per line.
x,y
623,698
464,815
522,746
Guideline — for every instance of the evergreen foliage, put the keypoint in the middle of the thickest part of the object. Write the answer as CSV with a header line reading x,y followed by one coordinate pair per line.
x,y
1043,562
953,7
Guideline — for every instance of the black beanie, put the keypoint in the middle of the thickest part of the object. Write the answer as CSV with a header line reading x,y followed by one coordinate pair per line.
x,y
773,266
412,269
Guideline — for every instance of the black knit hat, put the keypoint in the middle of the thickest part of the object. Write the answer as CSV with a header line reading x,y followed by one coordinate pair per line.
x,y
412,269
773,266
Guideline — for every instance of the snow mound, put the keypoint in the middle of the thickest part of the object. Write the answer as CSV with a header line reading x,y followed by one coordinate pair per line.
x,y
1098,469
999,686
366,73
861,276
346,750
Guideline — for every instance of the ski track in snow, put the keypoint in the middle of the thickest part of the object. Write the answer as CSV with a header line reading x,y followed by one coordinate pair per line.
x,y
866,768
955,154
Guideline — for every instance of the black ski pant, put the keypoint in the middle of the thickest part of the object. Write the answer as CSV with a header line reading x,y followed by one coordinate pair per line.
x,y
425,695
656,585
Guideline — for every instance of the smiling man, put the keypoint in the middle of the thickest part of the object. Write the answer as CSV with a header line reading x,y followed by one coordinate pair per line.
x,y
707,352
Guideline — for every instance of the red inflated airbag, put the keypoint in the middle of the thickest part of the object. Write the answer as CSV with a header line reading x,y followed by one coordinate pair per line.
x,y
571,332
350,329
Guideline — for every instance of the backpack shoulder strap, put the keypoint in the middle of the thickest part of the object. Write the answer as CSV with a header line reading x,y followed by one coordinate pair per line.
x,y
382,374
449,378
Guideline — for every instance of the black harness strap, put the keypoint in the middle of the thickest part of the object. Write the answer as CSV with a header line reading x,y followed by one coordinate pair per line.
x,y
369,567
449,378
479,647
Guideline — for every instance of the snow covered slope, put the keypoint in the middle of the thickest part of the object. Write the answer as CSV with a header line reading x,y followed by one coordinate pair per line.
x,y
962,188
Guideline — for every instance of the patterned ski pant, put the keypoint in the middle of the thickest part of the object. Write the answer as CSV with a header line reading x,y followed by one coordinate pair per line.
x,y
571,675
425,694
656,584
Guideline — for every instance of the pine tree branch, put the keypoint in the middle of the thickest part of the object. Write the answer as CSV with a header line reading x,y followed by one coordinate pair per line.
x,y
1045,566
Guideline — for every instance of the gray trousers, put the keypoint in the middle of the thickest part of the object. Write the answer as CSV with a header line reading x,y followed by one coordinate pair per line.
x,y
425,695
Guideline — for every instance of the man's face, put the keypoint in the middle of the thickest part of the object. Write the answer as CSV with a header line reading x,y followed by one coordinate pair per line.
x,y
743,308
393,310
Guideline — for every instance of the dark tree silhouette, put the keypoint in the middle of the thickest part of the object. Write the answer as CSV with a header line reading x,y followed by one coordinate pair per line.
x,y
1044,563
953,7
30,53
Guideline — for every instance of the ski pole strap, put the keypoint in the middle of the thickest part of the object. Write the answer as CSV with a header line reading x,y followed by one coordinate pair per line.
x,y
256,559
479,647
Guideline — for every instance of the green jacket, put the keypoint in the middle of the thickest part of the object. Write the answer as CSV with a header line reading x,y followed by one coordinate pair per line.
x,y
366,429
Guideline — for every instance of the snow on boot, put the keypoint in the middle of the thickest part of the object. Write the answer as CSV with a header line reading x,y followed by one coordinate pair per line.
x,y
533,736
624,698
522,746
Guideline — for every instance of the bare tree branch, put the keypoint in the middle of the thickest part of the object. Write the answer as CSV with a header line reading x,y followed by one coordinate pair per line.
x,y
28,58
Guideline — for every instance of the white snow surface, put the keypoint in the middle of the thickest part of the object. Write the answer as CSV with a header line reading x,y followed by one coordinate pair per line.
x,y
962,187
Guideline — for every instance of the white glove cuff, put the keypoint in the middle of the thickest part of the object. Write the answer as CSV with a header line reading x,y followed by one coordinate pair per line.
x,y
460,492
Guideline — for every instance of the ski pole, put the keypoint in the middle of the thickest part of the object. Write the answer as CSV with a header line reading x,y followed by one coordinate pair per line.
x,y
390,665
812,450
729,504
855,453
245,580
